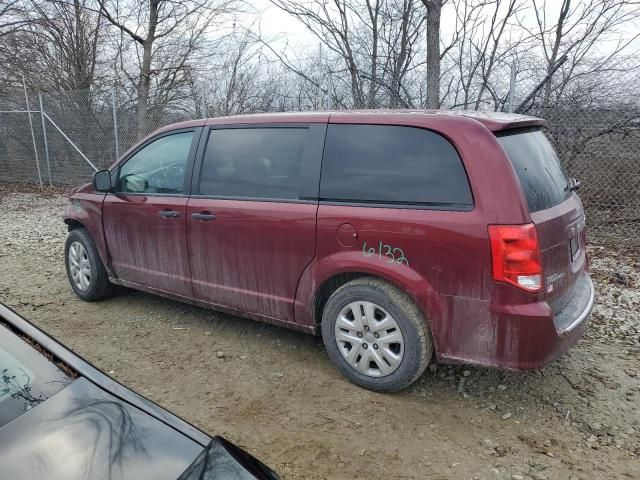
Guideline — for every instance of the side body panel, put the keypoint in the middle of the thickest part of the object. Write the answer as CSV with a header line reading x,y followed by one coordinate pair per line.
x,y
251,256
85,208
145,247
145,233
445,256
449,260
439,258
474,320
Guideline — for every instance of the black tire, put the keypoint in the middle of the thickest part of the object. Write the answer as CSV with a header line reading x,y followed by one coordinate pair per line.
x,y
99,287
418,345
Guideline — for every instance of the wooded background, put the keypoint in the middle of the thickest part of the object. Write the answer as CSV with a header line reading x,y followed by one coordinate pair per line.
x,y
110,71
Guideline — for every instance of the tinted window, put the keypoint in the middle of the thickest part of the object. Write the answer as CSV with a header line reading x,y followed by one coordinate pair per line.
x,y
541,175
253,162
159,167
391,164
28,378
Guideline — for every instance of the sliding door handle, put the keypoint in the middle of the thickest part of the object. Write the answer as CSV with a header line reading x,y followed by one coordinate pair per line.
x,y
204,216
168,213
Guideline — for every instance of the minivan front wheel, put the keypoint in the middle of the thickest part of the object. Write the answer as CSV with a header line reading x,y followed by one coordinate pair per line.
x,y
85,271
376,335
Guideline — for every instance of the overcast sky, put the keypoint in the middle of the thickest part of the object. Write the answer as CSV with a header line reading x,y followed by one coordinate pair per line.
x,y
276,24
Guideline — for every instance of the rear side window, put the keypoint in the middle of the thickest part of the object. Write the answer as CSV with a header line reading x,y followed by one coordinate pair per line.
x,y
253,162
543,180
393,165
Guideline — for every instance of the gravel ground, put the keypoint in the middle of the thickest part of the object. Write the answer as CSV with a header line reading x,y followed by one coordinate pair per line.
x,y
274,392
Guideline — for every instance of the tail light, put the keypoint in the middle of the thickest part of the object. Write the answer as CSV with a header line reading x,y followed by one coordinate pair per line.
x,y
515,254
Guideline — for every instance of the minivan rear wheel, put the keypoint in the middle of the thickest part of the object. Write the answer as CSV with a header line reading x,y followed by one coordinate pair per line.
x,y
85,271
376,335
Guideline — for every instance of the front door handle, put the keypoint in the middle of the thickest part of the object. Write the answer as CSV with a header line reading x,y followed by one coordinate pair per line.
x,y
204,216
168,213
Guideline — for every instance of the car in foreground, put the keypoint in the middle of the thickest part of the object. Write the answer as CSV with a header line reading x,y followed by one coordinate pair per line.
x,y
62,418
397,235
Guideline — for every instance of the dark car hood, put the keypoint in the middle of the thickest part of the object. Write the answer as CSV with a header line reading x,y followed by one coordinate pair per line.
x,y
223,460
82,432
95,428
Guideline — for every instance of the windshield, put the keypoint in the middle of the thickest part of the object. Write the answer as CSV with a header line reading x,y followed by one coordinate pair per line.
x,y
28,377
543,180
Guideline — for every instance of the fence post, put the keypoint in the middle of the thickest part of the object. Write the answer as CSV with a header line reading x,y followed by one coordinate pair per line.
x,y
329,88
33,135
115,122
512,87
203,103
44,135
319,95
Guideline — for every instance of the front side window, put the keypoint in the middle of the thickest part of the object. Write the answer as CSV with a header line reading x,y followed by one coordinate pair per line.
x,y
262,162
392,165
158,167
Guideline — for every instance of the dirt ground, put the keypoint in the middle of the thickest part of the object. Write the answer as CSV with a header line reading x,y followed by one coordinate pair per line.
x,y
274,392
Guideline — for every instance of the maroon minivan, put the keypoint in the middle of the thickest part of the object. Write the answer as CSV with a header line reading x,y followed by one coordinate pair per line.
x,y
399,235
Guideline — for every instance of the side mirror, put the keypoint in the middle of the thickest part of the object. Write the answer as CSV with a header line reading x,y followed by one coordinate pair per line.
x,y
101,181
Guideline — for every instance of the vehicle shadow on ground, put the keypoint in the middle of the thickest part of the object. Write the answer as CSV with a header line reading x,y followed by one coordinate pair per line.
x,y
191,316
567,388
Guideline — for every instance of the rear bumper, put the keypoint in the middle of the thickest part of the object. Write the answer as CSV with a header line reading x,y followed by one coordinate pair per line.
x,y
522,336
540,337
579,307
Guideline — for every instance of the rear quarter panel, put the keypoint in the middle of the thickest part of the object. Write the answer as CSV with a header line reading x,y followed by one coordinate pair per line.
x,y
449,262
443,256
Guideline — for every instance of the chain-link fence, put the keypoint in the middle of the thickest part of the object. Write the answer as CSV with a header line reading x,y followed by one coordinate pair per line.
x,y
70,133
601,148
60,138
17,145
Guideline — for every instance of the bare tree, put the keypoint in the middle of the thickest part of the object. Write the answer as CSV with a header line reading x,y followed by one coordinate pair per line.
x,y
334,23
488,49
401,43
480,47
577,29
373,42
166,35
57,46
434,12
241,81
11,17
